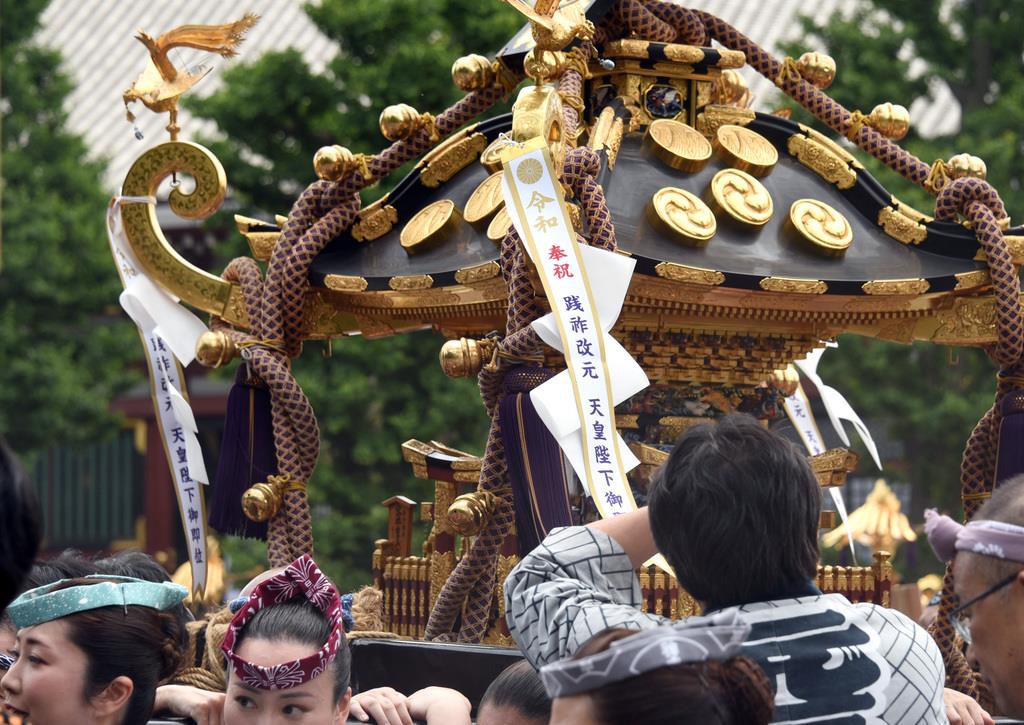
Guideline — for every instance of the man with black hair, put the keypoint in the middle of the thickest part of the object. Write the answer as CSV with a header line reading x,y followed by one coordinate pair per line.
x,y
735,512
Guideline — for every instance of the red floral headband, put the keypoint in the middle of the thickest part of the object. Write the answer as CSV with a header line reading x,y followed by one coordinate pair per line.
x,y
301,578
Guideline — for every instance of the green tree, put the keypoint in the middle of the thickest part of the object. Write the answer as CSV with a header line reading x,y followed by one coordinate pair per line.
x,y
275,112
927,397
62,357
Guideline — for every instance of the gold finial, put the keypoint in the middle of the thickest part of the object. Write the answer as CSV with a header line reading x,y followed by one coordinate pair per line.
x,y
818,69
473,73
966,165
161,84
469,512
464,358
332,163
555,26
215,348
890,119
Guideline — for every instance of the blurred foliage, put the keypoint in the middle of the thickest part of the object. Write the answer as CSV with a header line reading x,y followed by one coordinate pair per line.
x,y
372,395
926,397
65,351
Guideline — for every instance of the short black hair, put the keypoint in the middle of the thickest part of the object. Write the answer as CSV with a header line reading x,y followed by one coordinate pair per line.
x,y
735,511
299,620
68,564
519,687
20,526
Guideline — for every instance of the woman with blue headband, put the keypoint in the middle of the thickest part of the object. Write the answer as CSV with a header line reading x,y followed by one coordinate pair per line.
x,y
91,651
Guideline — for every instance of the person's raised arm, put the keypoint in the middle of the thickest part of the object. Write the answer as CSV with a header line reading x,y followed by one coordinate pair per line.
x,y
632,531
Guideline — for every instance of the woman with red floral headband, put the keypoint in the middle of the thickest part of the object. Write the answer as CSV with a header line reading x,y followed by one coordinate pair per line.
x,y
289,661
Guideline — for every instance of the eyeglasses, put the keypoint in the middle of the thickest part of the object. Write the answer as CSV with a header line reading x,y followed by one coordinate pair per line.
x,y
961,621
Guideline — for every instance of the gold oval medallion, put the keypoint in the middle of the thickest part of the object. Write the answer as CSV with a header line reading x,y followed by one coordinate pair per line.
x,y
499,225
742,197
746,150
484,200
491,156
678,145
684,213
824,227
429,226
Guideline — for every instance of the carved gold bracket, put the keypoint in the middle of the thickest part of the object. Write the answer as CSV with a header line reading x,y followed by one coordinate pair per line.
x,y
162,263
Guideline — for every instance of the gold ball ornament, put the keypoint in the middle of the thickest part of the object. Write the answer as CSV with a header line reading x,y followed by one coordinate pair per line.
x,y
473,73
262,501
963,165
463,358
818,69
730,88
786,380
543,64
215,348
890,119
331,163
469,513
399,121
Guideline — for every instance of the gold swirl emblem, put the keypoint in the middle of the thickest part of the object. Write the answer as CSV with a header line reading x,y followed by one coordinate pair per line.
x,y
746,150
429,226
499,225
678,145
683,213
529,171
742,197
484,200
821,225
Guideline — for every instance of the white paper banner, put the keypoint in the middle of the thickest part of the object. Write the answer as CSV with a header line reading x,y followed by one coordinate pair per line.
x,y
169,333
578,327
798,408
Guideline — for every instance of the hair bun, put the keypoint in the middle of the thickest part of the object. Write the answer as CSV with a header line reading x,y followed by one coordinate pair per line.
x,y
752,699
171,653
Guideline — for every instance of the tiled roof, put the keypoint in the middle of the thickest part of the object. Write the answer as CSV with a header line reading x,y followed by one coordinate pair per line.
x,y
95,37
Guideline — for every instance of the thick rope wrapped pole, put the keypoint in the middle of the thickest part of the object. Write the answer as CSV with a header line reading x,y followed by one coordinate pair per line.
x,y
981,205
470,588
275,309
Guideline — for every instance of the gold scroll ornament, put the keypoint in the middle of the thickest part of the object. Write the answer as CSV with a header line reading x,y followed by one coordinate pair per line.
x,y
683,213
824,227
484,200
742,197
677,145
746,150
430,226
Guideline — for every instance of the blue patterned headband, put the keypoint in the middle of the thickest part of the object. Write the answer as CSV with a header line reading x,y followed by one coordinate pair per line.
x,y
43,604
696,639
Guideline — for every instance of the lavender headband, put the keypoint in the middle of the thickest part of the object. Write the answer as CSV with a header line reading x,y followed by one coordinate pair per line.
x,y
988,538
302,578
696,639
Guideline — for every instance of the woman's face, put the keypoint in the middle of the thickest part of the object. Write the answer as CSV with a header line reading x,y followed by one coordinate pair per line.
x,y
573,710
47,681
310,702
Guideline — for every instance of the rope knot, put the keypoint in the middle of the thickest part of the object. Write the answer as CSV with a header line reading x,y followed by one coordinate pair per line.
x,y
938,176
789,72
857,121
274,344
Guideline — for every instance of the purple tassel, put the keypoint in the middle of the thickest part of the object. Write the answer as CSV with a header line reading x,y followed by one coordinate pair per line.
x,y
535,470
1010,458
247,456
